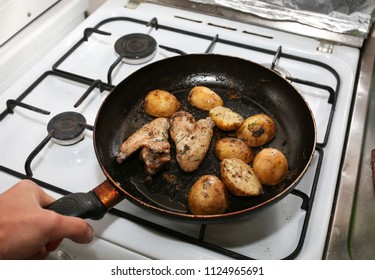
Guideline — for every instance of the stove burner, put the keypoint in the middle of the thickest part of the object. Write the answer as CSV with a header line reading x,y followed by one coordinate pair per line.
x,y
136,48
67,128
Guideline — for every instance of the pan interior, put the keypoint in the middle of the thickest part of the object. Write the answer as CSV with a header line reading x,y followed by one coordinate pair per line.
x,y
245,87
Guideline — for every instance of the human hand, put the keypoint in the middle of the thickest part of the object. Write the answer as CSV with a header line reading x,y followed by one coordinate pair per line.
x,y
27,231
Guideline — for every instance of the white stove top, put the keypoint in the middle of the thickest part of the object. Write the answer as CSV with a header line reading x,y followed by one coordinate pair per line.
x,y
33,35
271,234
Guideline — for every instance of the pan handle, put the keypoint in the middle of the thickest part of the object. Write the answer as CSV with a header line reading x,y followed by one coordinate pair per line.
x,y
83,205
91,205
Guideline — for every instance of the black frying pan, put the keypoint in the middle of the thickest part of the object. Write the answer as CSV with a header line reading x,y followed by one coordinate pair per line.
x,y
246,87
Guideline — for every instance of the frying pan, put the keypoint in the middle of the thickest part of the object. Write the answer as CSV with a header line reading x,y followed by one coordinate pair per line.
x,y
246,87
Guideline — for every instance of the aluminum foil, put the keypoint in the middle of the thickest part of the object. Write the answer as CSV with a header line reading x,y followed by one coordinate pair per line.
x,y
354,17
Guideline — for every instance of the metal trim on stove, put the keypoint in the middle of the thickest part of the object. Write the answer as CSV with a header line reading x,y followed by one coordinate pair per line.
x,y
237,15
354,182
307,199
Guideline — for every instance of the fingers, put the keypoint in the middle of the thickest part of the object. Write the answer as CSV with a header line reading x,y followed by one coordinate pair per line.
x,y
40,255
53,245
39,230
76,229
43,198
31,188
59,226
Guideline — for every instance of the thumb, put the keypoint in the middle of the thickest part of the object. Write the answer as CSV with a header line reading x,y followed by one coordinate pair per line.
x,y
76,229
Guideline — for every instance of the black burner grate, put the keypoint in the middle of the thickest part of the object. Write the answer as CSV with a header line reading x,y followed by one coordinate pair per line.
x,y
306,199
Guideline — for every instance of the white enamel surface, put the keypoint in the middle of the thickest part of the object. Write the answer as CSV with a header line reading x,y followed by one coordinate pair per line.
x,y
271,234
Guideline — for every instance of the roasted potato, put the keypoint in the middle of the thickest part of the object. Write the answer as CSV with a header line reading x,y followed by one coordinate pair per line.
x,y
208,196
257,130
225,118
271,166
160,103
204,98
231,147
239,178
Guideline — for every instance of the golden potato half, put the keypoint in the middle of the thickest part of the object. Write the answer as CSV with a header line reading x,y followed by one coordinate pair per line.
x,y
161,103
225,118
239,178
208,196
257,130
271,166
230,147
204,98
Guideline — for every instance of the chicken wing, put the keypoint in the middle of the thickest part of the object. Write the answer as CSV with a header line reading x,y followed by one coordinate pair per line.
x,y
154,160
192,139
153,139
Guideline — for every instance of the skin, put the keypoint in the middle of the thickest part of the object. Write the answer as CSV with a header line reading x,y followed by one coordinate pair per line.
x,y
27,231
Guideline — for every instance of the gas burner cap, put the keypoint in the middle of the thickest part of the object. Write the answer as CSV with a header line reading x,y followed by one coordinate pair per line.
x,y
136,48
278,70
67,128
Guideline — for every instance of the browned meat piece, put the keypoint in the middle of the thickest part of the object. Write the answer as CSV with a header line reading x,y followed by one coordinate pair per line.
x,y
154,160
192,139
153,139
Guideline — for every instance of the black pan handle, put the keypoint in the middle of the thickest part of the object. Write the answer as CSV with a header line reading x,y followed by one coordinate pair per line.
x,y
83,205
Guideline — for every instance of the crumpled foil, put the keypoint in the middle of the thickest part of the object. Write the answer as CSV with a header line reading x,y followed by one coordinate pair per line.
x,y
354,17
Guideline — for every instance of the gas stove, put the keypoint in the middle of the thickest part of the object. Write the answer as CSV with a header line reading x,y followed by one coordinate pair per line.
x,y
117,40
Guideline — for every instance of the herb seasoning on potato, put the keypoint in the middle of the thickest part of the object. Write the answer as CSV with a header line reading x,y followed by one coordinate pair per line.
x,y
225,118
208,196
230,147
240,178
257,130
